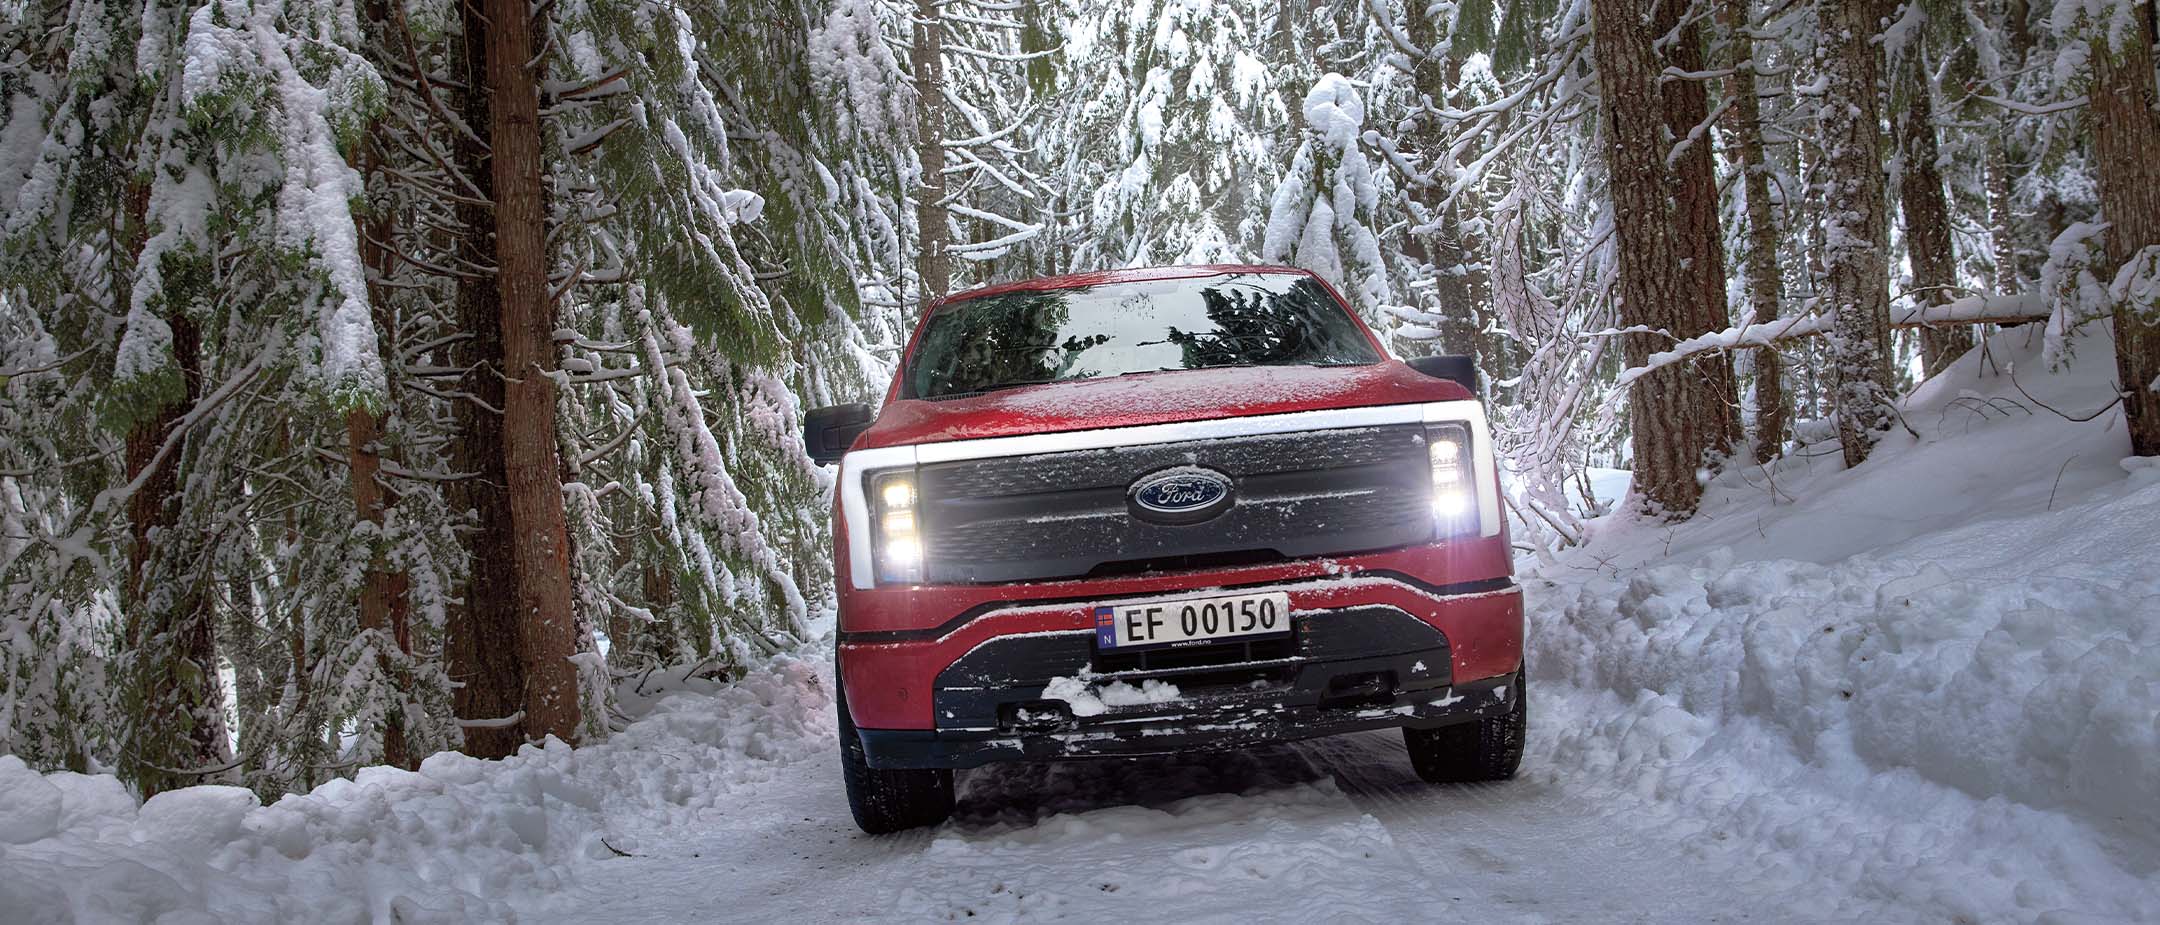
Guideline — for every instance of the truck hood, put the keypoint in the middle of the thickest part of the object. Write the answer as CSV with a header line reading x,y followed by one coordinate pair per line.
x,y
1154,398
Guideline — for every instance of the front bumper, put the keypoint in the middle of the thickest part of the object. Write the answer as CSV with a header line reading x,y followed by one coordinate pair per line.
x,y
1208,723
1365,652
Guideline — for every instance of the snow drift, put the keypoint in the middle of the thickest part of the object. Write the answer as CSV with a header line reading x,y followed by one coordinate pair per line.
x,y
1970,652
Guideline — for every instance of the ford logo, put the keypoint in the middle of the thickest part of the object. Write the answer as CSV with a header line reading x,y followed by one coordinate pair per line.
x,y
1181,495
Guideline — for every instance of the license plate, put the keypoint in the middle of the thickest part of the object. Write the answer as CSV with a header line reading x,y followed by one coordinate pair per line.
x,y
1192,621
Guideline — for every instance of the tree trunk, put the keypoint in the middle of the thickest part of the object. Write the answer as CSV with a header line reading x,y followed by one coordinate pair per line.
x,y
1457,294
540,544
1678,413
1765,284
1856,272
173,698
483,635
1927,214
2126,132
378,588
382,592
2009,268
933,266
173,684
1695,214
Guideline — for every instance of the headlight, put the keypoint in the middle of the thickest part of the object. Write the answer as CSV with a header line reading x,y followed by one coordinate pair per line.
x,y
893,517
1454,486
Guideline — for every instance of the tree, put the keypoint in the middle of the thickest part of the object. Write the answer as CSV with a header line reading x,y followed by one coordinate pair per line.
x,y
1855,269
1694,187
926,60
1323,212
1759,249
1921,202
2126,132
1681,416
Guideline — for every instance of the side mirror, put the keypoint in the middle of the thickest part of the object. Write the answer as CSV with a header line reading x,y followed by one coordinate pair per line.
x,y
1460,370
828,432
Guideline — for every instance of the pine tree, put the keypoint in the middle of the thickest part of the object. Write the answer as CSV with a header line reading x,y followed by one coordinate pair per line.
x,y
1323,212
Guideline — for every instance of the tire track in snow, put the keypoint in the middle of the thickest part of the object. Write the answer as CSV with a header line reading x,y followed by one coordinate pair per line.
x,y
1531,849
1205,837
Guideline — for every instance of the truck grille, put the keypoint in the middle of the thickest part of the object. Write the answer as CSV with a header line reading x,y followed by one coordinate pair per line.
x,y
1064,515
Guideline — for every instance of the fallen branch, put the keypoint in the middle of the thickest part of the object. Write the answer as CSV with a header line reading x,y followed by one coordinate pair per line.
x,y
1977,309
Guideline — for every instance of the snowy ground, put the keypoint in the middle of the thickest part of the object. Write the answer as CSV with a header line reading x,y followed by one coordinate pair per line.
x,y
1927,691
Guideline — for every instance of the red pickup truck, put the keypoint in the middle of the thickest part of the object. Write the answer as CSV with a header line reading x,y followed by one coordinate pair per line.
x,y
1156,511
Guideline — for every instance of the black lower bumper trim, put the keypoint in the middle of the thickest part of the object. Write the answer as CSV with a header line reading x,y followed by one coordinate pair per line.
x,y
1200,724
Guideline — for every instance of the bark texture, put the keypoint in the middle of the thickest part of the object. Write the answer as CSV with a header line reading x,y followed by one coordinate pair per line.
x,y
1927,214
1856,271
1765,284
2126,135
1680,416
483,635
539,547
1695,213
933,265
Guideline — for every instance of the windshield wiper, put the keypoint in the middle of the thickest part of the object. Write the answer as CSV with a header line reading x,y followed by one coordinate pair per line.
x,y
999,387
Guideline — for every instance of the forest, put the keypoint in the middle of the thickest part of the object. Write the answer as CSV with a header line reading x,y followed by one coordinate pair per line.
x,y
390,377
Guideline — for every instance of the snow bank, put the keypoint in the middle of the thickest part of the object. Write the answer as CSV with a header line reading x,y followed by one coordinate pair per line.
x,y
2041,686
460,840
1936,677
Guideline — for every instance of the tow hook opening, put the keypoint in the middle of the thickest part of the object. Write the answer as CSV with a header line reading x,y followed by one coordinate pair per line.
x,y
1358,689
1034,716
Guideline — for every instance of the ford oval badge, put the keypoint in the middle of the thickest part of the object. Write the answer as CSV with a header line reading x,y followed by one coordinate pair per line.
x,y
1181,495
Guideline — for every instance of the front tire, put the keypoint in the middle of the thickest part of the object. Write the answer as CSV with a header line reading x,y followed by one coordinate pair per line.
x,y
1483,750
886,800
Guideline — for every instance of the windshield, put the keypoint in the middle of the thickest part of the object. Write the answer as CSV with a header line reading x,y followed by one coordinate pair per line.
x,y
1116,329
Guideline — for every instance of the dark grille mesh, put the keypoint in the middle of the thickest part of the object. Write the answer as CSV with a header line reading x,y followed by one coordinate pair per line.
x,y
1066,514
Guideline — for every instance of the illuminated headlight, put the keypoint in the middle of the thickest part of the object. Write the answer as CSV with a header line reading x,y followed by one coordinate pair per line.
x,y
898,540
1454,490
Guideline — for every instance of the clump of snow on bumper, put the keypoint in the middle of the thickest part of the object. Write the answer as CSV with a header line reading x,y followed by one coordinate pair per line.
x,y
1085,699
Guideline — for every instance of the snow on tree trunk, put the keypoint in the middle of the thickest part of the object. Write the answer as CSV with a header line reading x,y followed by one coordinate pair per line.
x,y
1679,415
1856,269
2126,135
540,545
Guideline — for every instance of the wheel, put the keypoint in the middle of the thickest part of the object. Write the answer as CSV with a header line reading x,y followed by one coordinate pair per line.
x,y
1486,749
888,800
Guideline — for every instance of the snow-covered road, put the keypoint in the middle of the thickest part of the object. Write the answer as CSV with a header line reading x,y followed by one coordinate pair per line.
x,y
1330,830
1335,829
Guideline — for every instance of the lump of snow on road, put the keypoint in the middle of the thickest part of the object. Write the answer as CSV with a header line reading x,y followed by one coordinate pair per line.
x,y
1086,699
